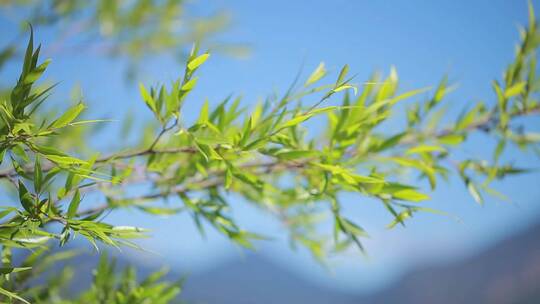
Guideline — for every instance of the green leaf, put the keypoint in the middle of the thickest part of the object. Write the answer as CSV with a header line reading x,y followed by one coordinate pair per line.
x,y
345,87
196,62
228,178
469,118
319,73
38,175
295,154
7,270
342,75
390,142
212,140
148,99
348,176
203,116
12,295
400,218
407,95
532,18
451,139
474,192
441,91
353,228
74,204
424,149
28,54
36,73
248,178
410,195
246,132
188,86
67,117
295,121
26,199
514,90
64,159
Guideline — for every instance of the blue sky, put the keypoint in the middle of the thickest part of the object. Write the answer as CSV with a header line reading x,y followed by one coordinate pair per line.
x,y
471,41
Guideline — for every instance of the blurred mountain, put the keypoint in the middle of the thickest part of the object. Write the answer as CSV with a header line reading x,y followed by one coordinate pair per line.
x,y
255,279
508,272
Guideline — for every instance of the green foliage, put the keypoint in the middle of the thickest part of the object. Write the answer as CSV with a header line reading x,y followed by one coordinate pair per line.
x,y
110,284
134,28
264,154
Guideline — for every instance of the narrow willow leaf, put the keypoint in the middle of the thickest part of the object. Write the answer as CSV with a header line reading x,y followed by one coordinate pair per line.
x,y
514,90
440,92
148,99
345,87
74,204
408,95
532,18
349,176
342,74
248,178
319,73
410,195
451,139
64,160
246,132
390,142
474,192
212,140
7,270
228,178
6,211
36,73
424,149
196,62
426,169
499,150
28,53
91,121
400,218
353,228
38,175
295,121
12,295
469,118
26,199
256,144
203,116
188,86
297,154
128,229
67,117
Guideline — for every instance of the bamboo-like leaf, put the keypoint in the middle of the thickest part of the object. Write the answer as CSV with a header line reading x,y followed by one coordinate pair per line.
x,y
74,204
410,195
474,192
296,154
342,75
147,98
424,149
38,175
68,117
514,90
188,86
197,61
12,295
319,73
26,199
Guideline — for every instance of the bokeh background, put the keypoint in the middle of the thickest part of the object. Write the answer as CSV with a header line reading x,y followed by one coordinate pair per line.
x,y
494,247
